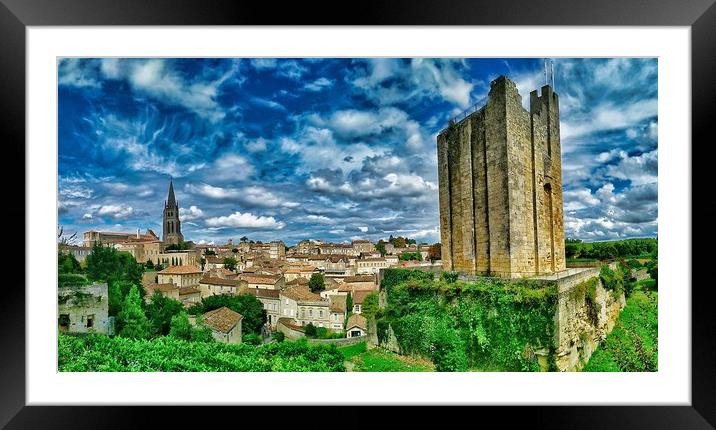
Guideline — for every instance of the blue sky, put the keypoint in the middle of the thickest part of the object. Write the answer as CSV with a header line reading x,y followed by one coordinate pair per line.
x,y
331,149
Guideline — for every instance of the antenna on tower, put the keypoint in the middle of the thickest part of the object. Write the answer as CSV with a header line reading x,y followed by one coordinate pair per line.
x,y
551,63
545,71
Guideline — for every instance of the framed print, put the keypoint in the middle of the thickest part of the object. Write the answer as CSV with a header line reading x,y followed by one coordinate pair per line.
x,y
346,213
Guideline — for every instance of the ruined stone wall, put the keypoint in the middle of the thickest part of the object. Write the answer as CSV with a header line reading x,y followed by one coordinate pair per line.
x,y
580,323
500,187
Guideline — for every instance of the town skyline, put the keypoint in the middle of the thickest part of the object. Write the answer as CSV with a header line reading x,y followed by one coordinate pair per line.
x,y
333,150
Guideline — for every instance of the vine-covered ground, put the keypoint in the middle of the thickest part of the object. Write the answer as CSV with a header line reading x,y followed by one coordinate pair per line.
x,y
99,353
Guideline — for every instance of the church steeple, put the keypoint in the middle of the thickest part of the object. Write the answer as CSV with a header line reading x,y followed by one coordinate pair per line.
x,y
172,225
171,200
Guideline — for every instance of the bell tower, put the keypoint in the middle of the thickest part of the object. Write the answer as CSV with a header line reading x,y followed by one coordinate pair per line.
x,y
171,225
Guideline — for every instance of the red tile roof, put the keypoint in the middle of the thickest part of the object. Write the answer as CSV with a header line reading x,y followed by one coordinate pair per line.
x,y
180,270
222,319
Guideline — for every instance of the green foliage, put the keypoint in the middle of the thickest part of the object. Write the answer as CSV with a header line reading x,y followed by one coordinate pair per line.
x,y
370,306
106,264
632,346
161,311
245,304
230,263
489,325
310,330
209,252
97,353
617,281
117,291
408,256
653,271
393,277
181,328
149,265
351,351
278,336
251,339
317,283
67,263
71,280
575,248
380,360
349,305
181,246
131,321
380,247
449,277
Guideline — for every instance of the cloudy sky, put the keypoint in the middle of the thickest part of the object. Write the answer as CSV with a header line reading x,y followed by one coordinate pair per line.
x,y
331,149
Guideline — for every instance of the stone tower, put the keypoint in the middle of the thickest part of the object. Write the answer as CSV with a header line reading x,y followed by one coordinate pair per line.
x,y
500,178
172,226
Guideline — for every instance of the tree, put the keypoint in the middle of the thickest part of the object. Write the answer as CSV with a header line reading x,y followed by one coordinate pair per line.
x,y
106,264
349,303
310,330
131,320
149,264
380,247
160,312
63,239
203,263
230,263
370,306
181,328
317,283
67,263
251,339
247,305
244,239
209,252
399,242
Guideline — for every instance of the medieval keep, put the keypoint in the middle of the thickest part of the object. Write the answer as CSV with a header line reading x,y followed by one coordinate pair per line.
x,y
500,178
171,225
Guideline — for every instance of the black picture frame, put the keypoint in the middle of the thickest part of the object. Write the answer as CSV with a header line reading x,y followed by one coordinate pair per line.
x,y
16,15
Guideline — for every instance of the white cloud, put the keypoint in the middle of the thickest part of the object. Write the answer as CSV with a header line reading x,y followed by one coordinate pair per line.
x,y
318,85
190,214
156,78
87,216
231,167
639,170
257,145
263,63
245,220
77,72
116,211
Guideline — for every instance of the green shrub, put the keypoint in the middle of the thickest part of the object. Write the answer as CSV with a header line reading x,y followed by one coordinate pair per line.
x,y
278,336
310,330
449,277
251,339
71,280
490,324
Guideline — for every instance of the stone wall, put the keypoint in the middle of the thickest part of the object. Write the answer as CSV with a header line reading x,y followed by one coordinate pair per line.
x,y
340,342
77,305
580,324
500,187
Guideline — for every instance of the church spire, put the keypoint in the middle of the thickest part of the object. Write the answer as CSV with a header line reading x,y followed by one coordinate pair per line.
x,y
171,200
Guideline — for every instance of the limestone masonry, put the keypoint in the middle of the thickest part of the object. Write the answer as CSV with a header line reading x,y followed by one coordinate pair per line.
x,y
500,177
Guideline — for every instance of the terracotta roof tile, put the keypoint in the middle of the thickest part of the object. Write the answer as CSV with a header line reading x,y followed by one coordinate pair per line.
x,y
301,293
180,270
222,319
357,320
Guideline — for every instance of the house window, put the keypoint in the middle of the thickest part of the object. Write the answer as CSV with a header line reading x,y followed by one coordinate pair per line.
x,y
321,313
90,321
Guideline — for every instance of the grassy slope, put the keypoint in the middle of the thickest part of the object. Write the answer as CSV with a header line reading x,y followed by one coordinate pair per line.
x,y
632,346
380,360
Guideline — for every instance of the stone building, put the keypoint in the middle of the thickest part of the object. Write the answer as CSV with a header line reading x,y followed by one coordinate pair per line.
x,y
225,324
181,276
83,309
500,186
